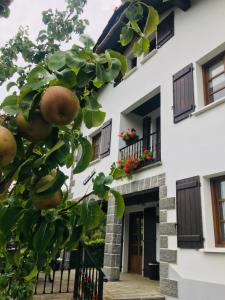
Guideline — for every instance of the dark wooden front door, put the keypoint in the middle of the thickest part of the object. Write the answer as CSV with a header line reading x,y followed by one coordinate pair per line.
x,y
135,242
150,220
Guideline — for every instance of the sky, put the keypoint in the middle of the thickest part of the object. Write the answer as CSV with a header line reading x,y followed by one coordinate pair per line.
x,y
23,13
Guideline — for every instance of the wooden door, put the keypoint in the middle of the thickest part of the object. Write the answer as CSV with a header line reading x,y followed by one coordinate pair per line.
x,y
135,242
150,220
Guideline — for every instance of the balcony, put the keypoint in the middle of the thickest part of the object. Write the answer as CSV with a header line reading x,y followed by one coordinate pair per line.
x,y
150,142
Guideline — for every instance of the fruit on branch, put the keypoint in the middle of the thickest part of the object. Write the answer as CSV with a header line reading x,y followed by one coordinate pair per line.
x,y
8,147
35,130
46,202
59,105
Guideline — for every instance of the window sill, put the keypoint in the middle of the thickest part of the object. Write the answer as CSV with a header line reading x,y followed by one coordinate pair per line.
x,y
213,250
93,162
208,107
148,56
129,73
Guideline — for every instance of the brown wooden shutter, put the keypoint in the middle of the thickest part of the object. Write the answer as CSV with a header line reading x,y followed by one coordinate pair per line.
x,y
189,214
106,138
165,30
183,93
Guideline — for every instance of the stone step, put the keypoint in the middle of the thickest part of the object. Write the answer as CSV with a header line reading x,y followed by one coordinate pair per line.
x,y
53,297
137,298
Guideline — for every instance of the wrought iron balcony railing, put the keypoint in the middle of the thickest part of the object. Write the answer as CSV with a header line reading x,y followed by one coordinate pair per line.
x,y
150,142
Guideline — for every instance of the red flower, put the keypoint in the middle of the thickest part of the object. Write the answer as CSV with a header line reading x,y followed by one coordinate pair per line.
x,y
133,133
127,169
145,151
121,133
148,157
135,166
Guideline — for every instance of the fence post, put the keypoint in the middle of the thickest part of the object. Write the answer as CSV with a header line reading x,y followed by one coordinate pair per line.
x,y
77,275
100,285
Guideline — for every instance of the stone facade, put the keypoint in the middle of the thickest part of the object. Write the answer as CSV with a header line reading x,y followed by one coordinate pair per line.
x,y
112,258
113,236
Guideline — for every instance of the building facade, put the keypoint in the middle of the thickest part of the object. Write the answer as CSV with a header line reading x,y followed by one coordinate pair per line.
x,y
175,204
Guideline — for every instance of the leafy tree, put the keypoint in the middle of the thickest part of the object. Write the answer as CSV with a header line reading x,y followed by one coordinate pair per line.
x,y
59,27
41,130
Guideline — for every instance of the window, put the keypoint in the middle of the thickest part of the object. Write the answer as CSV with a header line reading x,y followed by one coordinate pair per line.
x,y
165,30
214,77
218,201
96,143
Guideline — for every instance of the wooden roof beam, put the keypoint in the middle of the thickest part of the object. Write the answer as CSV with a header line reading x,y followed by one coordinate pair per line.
x,y
183,4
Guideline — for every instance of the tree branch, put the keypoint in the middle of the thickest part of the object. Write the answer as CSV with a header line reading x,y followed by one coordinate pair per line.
x,y
77,202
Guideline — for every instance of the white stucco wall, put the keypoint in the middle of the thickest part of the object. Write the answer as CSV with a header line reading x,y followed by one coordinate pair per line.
x,y
195,146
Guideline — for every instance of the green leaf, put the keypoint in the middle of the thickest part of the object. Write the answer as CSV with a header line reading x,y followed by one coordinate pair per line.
x,y
93,118
32,274
119,202
98,83
52,186
91,214
121,58
87,41
106,74
135,26
115,172
86,157
100,183
10,105
134,12
142,45
43,236
38,78
126,36
74,61
92,102
8,218
152,21
43,159
56,61
84,77
67,77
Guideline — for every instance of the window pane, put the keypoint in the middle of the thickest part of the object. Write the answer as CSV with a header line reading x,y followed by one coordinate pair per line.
x,y
217,96
217,83
216,69
222,231
222,189
222,210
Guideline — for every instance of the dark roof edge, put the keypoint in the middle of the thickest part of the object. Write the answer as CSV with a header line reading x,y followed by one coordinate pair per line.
x,y
115,22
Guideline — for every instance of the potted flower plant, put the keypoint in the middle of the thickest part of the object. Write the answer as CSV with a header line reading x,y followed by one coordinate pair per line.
x,y
129,136
131,164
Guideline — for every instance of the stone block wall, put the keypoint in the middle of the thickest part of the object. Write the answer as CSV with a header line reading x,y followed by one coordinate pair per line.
x,y
112,258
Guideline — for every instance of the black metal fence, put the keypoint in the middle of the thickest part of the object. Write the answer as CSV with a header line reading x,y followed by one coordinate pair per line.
x,y
151,142
73,272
